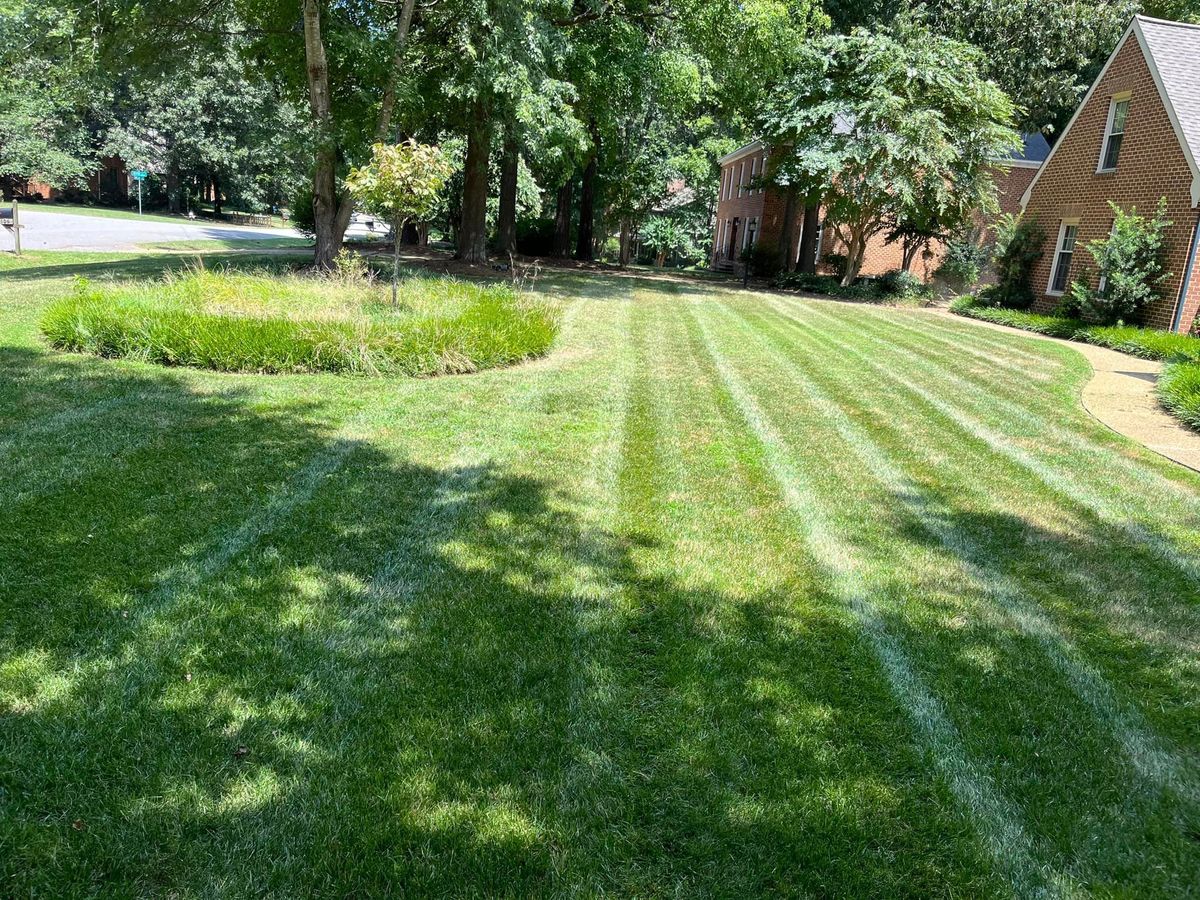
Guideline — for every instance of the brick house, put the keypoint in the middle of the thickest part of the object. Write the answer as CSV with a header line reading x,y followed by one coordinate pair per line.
x,y
1134,139
110,181
749,213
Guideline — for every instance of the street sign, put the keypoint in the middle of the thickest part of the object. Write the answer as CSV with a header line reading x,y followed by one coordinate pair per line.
x,y
139,174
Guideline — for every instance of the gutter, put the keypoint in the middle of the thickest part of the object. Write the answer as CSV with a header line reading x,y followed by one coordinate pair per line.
x,y
1188,270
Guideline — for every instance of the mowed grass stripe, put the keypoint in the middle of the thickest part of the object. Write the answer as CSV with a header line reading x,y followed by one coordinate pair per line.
x,y
1022,403
996,821
1115,511
813,736
1147,753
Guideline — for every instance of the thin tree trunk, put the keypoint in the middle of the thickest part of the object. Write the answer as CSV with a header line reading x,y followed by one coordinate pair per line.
x,y
506,224
397,230
562,219
910,254
173,204
216,189
472,235
626,243
587,207
854,258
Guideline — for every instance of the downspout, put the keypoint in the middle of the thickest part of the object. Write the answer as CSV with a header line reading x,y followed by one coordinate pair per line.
x,y
1187,276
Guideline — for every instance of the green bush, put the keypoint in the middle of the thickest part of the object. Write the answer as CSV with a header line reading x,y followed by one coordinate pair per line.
x,y
303,219
1130,264
966,255
898,283
1016,249
763,259
284,324
1179,392
835,263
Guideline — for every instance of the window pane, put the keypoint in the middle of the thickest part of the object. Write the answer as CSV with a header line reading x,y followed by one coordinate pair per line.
x,y
1112,151
1119,112
1061,269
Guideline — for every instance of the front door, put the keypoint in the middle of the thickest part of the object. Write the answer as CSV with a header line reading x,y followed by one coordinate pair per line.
x,y
733,237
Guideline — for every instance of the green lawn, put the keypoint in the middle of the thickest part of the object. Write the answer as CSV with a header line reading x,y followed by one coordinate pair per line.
x,y
732,594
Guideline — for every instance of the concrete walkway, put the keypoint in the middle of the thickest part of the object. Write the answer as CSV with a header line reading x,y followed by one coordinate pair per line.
x,y
1121,395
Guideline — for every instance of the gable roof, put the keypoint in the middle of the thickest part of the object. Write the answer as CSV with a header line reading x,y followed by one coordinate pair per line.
x,y
745,150
1172,53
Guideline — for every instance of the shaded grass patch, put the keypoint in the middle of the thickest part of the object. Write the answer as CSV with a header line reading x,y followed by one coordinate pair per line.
x,y
271,323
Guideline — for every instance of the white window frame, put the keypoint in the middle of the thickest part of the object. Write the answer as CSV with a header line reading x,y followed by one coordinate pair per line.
x,y
753,171
725,183
1058,252
1115,101
741,178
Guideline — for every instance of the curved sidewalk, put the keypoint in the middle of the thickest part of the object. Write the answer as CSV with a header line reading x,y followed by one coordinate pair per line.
x,y
1121,395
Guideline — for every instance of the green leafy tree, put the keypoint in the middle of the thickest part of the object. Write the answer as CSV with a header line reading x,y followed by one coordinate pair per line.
x,y
888,125
1129,267
1043,53
401,183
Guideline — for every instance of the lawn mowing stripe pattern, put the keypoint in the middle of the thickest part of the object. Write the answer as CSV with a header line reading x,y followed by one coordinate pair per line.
x,y
1144,749
1069,487
994,818
942,365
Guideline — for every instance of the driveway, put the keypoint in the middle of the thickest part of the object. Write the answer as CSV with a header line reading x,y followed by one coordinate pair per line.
x,y
63,231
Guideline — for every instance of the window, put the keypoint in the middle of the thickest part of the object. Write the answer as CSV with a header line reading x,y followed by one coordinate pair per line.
x,y
1062,258
753,171
1114,133
725,184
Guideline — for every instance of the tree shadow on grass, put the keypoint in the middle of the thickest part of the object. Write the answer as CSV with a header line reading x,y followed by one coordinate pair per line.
x,y
243,652
150,265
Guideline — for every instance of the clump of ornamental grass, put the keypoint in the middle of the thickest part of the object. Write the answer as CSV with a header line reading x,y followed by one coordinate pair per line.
x,y
1179,392
269,323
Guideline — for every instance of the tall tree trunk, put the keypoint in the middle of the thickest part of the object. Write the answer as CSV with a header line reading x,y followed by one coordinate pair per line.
x,y
506,224
787,234
472,234
562,219
808,238
626,243
910,253
327,200
387,103
216,189
587,204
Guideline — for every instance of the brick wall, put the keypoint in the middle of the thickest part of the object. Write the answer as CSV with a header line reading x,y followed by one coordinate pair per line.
x,y
1151,165
751,204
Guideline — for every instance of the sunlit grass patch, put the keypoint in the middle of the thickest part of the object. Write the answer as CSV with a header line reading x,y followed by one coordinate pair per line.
x,y
270,323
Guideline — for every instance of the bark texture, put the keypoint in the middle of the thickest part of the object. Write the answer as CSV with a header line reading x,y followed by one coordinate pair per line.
x,y
808,239
472,232
506,224
562,219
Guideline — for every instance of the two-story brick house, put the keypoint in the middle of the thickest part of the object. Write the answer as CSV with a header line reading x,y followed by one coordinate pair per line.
x,y
749,214
1134,139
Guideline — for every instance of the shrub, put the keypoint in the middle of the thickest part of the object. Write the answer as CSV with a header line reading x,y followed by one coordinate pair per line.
x,y
1148,343
966,255
898,283
1129,268
763,259
803,281
835,263
303,219
283,324
1016,249
1179,392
